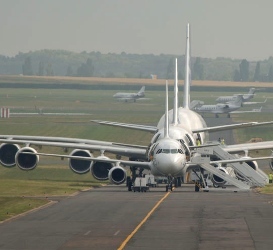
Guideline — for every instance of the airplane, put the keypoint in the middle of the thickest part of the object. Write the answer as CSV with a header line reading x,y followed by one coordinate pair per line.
x,y
130,96
245,97
228,108
171,153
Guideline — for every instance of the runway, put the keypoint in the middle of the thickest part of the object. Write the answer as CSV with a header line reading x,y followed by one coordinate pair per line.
x,y
107,217
103,218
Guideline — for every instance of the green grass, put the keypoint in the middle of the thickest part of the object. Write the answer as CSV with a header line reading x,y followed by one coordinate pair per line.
x,y
268,189
11,206
18,189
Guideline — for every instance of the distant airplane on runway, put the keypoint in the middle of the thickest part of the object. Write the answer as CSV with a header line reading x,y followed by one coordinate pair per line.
x,y
245,97
221,108
130,96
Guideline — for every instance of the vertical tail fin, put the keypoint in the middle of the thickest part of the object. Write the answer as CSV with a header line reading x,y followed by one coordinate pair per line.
x,y
175,102
251,91
187,82
166,127
142,90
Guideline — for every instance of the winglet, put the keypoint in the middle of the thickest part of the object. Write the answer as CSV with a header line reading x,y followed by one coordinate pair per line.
x,y
187,82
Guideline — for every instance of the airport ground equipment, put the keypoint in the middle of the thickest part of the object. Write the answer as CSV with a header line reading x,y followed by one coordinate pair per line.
x,y
140,185
150,180
249,177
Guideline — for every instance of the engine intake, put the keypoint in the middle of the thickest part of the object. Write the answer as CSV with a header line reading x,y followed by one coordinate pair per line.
x,y
117,175
80,166
26,161
100,170
218,181
7,154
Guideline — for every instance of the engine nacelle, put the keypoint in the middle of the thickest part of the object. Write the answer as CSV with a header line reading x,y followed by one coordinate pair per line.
x,y
26,161
80,166
219,182
100,170
117,175
252,164
7,154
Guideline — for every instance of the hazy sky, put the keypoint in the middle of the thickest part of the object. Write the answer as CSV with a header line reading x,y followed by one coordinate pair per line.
x,y
229,28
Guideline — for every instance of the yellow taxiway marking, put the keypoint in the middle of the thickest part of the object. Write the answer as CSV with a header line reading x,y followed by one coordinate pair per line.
x,y
142,222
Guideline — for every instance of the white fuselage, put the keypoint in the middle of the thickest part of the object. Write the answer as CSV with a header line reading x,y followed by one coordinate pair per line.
x,y
218,108
188,121
167,157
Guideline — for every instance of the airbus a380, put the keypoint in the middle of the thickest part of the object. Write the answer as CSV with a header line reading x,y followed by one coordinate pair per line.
x,y
169,153
130,96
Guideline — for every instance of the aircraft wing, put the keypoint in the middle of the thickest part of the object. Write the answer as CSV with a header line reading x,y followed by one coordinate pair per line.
x,y
100,146
249,103
245,147
247,111
231,126
147,128
143,164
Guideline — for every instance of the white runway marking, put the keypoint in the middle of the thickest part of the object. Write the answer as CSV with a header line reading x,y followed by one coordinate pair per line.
x,y
116,233
88,232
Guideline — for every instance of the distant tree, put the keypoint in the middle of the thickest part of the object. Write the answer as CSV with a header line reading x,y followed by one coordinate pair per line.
x,y
270,74
69,71
27,67
244,70
49,70
86,69
170,69
41,68
198,69
257,74
237,76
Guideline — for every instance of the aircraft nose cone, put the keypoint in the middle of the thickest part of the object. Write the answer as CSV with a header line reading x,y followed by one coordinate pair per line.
x,y
169,164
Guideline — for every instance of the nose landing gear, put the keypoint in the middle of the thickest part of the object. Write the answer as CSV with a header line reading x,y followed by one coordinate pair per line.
x,y
169,186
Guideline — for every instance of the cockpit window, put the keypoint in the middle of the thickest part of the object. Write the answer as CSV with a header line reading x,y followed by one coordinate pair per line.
x,y
159,151
170,151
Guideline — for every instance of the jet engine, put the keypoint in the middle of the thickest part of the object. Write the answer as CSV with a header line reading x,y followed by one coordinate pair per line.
x,y
100,170
7,154
252,164
26,161
219,182
117,175
80,166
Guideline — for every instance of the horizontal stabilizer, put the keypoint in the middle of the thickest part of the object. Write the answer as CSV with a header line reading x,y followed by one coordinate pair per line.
x,y
152,129
232,126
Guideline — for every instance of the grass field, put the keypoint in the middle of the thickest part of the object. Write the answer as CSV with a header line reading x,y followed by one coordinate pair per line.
x,y
21,191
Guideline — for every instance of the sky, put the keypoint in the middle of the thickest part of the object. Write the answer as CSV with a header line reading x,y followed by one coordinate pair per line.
x,y
237,29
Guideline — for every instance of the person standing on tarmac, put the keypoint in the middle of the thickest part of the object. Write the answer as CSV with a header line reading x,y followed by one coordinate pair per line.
x,y
270,177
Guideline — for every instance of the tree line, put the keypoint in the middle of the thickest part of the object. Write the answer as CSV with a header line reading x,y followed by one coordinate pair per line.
x,y
66,63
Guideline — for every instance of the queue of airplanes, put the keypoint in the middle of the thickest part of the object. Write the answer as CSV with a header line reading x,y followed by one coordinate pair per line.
x,y
172,152
227,104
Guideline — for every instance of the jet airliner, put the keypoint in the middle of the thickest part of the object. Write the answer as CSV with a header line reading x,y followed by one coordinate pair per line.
x,y
170,153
